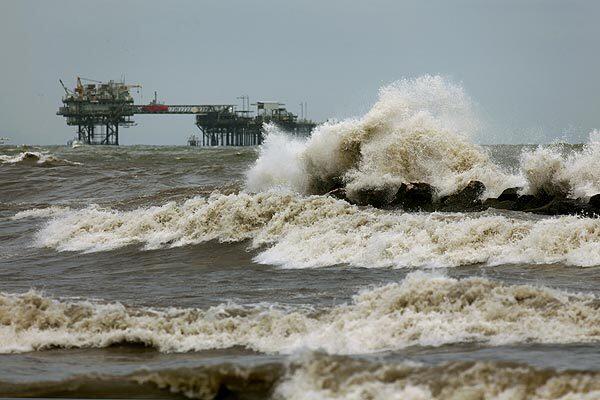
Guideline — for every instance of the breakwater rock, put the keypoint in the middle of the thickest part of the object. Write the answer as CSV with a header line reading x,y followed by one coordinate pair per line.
x,y
420,196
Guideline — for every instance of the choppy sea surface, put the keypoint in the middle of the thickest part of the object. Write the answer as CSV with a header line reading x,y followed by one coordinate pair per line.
x,y
148,271
227,273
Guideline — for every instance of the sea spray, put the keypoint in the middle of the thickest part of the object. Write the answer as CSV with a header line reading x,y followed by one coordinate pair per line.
x,y
556,170
279,162
418,130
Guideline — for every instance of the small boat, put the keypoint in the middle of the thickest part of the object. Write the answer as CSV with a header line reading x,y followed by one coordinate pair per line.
x,y
75,143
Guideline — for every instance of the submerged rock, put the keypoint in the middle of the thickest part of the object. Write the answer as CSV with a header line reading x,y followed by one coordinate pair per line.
x,y
499,204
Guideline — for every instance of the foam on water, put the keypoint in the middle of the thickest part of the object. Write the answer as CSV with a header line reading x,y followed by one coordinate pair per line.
x,y
421,310
575,174
279,162
418,131
306,232
46,212
325,377
35,158
314,375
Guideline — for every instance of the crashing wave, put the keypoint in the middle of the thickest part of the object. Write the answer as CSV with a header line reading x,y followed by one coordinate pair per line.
x,y
417,131
422,310
321,376
315,231
556,171
35,158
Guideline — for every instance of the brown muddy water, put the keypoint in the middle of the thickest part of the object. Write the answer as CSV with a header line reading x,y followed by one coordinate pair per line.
x,y
145,271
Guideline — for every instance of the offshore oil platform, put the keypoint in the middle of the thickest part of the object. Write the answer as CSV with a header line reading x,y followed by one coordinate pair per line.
x,y
98,109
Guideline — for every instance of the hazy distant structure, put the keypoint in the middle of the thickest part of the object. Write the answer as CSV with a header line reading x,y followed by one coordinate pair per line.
x,y
231,127
98,109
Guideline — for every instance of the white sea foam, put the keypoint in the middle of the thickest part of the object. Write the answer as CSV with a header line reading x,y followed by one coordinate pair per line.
x,y
36,159
575,174
417,131
279,162
305,232
421,310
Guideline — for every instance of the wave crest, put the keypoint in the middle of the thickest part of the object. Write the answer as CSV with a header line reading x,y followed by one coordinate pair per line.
x,y
557,171
417,131
320,376
34,158
315,231
329,377
421,310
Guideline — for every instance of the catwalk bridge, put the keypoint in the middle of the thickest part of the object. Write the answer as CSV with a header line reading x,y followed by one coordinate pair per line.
x,y
98,109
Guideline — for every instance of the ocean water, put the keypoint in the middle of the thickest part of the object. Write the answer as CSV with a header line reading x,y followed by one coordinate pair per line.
x,y
171,272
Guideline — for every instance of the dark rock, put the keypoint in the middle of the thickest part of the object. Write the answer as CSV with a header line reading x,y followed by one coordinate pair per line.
x,y
467,199
510,194
325,185
414,196
594,201
377,198
529,202
525,200
498,204
563,206
339,193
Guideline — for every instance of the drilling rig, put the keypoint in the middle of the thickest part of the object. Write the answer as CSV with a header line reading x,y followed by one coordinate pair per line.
x,y
97,109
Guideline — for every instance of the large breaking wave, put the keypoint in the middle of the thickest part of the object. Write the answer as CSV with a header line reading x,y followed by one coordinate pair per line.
x,y
302,232
557,170
421,310
419,130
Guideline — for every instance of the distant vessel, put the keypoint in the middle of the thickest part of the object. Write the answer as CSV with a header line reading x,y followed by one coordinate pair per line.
x,y
75,143
3,140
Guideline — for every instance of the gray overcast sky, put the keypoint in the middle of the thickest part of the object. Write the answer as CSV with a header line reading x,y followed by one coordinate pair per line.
x,y
533,67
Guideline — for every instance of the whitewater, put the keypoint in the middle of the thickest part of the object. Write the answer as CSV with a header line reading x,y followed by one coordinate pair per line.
x,y
163,271
423,310
417,131
316,231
